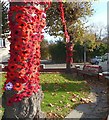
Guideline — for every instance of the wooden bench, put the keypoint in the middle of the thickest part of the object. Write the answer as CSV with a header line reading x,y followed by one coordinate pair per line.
x,y
90,70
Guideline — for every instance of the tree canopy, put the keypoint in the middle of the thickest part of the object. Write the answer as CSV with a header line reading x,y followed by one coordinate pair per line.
x,y
75,14
5,26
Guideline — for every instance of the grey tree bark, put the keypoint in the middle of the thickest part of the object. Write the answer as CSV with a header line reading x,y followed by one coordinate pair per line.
x,y
27,109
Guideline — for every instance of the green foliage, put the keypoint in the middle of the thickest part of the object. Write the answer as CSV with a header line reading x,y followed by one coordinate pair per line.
x,y
44,49
5,27
74,14
89,40
58,52
99,50
93,48
78,52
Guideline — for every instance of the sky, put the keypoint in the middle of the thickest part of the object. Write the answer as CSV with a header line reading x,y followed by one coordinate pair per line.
x,y
100,12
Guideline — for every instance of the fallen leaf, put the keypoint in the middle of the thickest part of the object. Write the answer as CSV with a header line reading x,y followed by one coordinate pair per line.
x,y
63,95
58,108
74,95
53,94
68,92
61,116
51,105
84,100
73,100
60,101
68,105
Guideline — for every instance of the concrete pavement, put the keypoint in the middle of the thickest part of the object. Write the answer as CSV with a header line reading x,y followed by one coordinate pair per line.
x,y
97,110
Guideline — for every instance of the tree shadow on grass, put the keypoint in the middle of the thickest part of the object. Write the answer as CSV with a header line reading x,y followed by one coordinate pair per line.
x,y
72,77
70,85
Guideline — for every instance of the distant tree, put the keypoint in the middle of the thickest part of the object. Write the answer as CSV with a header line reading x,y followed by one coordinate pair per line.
x,y
99,29
99,50
74,11
78,52
58,52
44,49
5,27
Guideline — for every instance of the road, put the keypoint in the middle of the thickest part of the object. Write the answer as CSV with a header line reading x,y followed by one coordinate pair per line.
x,y
50,66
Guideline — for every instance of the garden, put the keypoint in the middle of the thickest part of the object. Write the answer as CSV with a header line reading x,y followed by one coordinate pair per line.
x,y
62,93
22,81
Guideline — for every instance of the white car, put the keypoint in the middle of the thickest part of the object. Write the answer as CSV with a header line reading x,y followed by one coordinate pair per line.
x,y
105,62
1,42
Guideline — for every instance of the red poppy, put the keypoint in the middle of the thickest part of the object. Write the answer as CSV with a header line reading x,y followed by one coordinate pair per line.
x,y
7,81
25,50
43,23
18,86
19,17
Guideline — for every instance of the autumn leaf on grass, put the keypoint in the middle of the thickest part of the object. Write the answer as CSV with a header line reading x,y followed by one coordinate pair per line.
x,y
75,96
61,116
52,115
63,96
58,108
50,105
56,90
45,91
42,102
84,100
60,101
68,105
53,94
81,89
73,100
65,86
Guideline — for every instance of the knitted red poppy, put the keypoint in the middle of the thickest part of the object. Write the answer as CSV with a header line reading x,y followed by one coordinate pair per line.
x,y
26,24
26,30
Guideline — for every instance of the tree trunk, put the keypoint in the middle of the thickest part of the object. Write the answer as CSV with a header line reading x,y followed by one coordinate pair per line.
x,y
0,19
69,55
27,109
4,44
23,94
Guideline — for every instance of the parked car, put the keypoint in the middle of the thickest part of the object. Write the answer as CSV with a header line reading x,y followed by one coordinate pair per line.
x,y
96,60
1,42
105,62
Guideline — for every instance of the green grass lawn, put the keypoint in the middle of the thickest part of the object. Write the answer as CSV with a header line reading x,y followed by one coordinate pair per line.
x,y
62,93
2,79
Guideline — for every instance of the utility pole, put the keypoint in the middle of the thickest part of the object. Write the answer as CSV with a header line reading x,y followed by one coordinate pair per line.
x,y
84,52
0,19
108,33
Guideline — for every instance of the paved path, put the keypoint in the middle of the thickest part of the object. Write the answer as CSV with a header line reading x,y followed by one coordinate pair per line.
x,y
96,110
